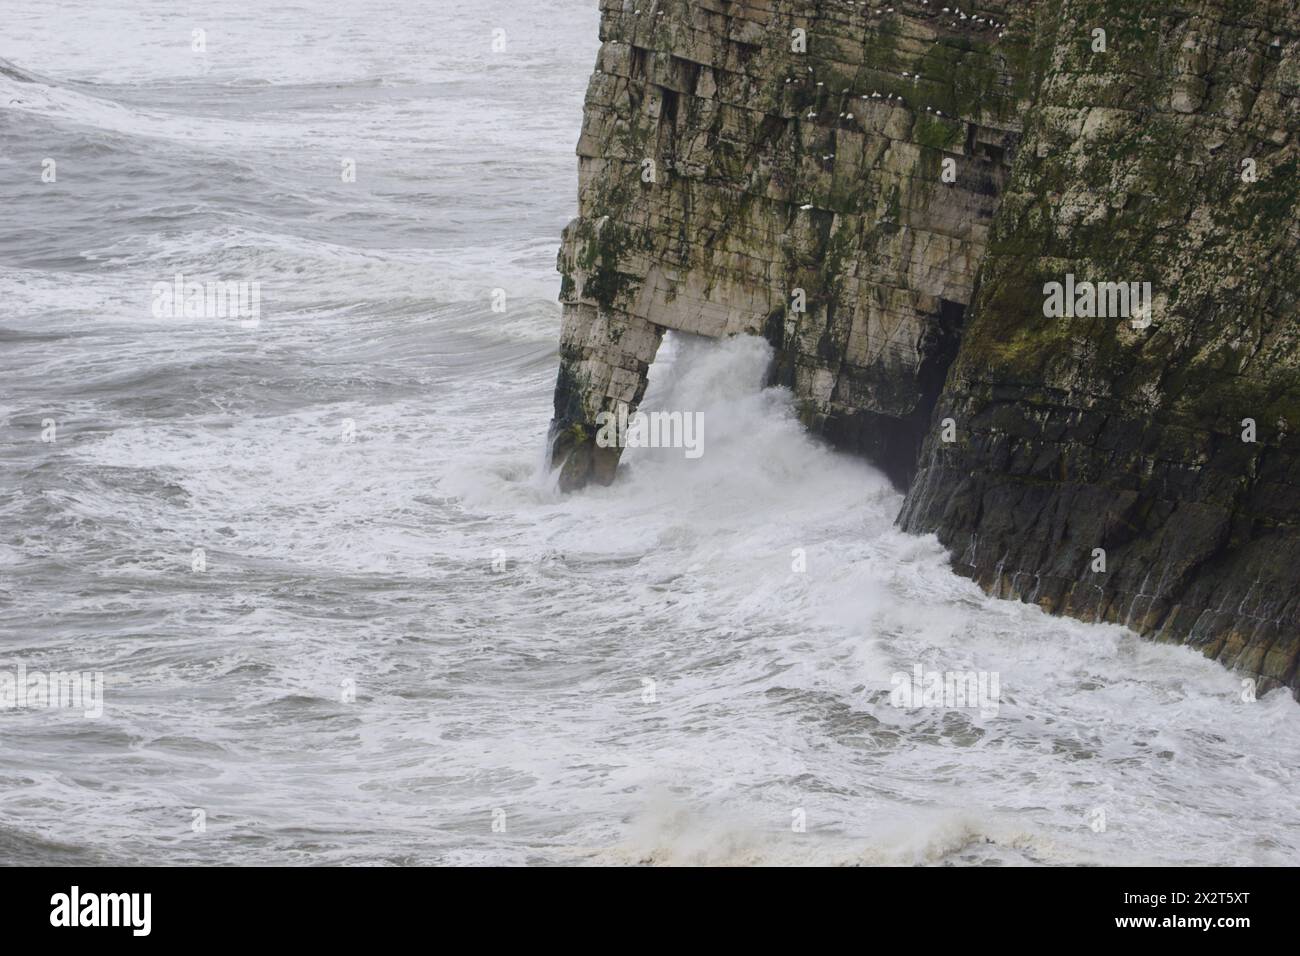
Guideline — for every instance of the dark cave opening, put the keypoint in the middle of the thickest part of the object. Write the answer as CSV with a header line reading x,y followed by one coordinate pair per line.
x,y
893,444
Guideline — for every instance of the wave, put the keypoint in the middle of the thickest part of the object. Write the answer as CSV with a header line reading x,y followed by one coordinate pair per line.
x,y
22,91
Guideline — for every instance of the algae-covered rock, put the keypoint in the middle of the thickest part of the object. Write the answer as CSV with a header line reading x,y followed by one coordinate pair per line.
x,y
888,193
778,169
1167,441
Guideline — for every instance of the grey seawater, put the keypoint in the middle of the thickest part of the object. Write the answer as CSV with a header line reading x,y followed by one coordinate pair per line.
x,y
407,648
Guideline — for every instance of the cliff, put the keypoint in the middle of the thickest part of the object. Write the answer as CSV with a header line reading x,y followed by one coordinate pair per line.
x,y
884,191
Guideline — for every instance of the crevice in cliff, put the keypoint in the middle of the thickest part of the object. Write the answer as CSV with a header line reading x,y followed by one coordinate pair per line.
x,y
938,350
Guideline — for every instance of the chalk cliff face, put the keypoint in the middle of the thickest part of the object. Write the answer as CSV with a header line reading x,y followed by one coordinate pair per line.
x,y
883,192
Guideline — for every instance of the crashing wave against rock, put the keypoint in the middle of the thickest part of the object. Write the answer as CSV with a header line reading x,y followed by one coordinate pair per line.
x,y
886,193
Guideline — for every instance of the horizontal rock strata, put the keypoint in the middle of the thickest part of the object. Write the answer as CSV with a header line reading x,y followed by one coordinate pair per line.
x,y
883,192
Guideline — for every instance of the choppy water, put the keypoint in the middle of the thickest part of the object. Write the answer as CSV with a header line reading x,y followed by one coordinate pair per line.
x,y
501,639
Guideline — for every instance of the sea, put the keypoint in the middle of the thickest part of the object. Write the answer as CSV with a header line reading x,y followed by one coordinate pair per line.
x,y
340,612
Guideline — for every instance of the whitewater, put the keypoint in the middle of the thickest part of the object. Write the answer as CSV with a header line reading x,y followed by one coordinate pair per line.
x,y
400,644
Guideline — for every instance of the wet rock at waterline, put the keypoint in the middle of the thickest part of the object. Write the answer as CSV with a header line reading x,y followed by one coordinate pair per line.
x,y
895,199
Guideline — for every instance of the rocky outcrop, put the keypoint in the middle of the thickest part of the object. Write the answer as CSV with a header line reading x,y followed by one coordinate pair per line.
x,y
1086,433
776,168
884,191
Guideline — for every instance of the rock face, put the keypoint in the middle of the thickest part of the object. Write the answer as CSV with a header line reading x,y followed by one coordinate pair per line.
x,y
729,183
883,192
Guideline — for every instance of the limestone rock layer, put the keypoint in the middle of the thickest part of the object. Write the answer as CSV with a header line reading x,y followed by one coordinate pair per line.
x,y
884,191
